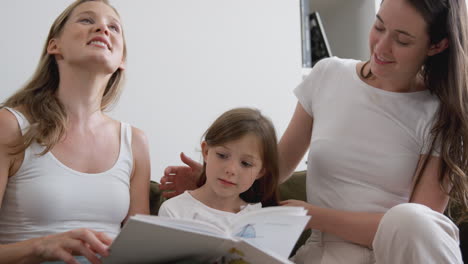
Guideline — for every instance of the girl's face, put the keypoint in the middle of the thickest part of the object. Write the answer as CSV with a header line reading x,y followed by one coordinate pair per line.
x,y
398,40
232,168
91,37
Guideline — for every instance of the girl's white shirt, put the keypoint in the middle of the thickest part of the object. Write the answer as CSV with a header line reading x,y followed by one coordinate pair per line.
x,y
185,206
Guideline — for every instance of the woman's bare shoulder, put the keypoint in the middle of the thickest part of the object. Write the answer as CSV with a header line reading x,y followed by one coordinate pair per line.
x,y
9,126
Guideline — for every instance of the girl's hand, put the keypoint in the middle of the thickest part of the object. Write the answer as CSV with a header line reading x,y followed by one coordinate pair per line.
x,y
63,246
177,179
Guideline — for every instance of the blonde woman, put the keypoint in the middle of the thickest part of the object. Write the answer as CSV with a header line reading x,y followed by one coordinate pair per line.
x,y
69,174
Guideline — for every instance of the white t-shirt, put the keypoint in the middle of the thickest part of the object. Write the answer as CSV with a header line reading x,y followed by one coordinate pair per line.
x,y
366,142
185,206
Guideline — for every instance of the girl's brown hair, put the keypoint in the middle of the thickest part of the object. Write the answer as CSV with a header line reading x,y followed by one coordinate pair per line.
x,y
446,76
235,124
38,99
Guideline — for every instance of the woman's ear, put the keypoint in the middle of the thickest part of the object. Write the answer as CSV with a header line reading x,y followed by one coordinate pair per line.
x,y
123,65
204,147
438,47
52,47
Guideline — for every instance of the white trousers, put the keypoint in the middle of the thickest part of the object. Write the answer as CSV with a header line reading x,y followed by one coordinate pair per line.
x,y
408,233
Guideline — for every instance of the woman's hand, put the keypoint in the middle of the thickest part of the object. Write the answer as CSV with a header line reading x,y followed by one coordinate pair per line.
x,y
297,203
78,242
177,179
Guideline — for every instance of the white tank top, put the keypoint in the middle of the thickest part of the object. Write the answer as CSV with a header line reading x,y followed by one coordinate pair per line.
x,y
46,197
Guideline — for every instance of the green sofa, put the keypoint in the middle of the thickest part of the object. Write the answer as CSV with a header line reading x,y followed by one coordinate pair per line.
x,y
294,188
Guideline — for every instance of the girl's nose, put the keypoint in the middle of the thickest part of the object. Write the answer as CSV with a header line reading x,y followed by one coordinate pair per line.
x,y
230,169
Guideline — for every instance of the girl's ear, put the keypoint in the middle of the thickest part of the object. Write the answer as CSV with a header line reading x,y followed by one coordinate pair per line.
x,y
438,47
204,147
261,173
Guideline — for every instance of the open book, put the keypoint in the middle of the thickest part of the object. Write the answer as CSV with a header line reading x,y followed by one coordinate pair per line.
x,y
267,235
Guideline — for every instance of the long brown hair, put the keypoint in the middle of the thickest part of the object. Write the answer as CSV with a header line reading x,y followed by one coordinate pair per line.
x,y
446,76
38,99
236,123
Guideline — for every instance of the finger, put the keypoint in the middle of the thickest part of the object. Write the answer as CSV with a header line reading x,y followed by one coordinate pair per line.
x,y
81,249
65,256
163,180
169,194
170,170
89,255
190,162
167,187
89,237
107,240
167,178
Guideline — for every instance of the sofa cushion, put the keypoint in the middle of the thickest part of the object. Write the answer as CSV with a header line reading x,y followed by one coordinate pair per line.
x,y
156,198
294,187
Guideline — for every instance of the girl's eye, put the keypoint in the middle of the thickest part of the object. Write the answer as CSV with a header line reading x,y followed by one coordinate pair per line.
x,y
246,164
221,155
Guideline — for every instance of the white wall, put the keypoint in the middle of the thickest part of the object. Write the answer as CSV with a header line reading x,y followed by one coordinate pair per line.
x,y
188,61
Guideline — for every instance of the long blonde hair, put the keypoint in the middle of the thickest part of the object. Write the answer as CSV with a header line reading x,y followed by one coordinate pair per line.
x,y
38,99
446,76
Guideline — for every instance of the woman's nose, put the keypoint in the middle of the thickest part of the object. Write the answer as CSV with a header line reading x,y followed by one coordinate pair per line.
x,y
383,45
101,27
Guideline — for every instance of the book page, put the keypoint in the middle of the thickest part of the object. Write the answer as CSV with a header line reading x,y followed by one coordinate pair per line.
x,y
273,228
184,224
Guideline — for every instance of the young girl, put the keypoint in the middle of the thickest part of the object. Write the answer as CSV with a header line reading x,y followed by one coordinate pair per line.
x,y
240,170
